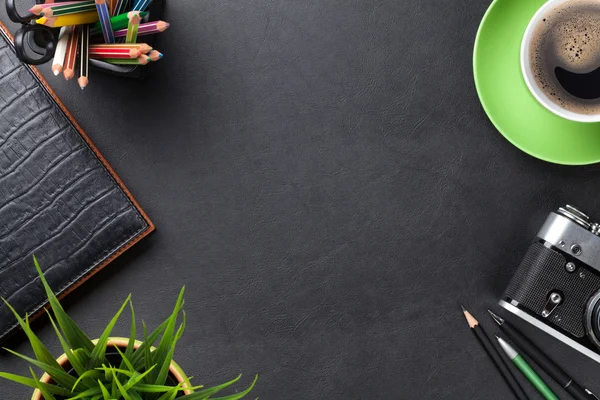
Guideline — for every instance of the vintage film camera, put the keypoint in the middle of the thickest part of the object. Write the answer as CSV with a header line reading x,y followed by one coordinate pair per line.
x,y
557,286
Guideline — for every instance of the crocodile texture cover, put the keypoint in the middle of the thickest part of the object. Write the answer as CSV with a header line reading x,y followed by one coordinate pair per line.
x,y
59,199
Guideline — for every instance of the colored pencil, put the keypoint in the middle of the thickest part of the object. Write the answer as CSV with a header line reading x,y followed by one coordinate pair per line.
x,y
120,7
147,28
71,19
71,53
155,55
74,8
84,45
141,60
495,356
104,13
38,8
141,5
103,51
61,48
142,47
111,4
132,28
542,360
117,22
115,54
527,371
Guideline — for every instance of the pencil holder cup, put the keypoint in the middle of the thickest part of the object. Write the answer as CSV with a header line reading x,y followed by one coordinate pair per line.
x,y
36,44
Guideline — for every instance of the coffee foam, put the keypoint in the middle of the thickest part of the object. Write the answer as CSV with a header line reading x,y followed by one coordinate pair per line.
x,y
568,36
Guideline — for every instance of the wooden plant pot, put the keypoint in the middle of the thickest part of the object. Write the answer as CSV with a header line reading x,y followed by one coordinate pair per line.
x,y
175,370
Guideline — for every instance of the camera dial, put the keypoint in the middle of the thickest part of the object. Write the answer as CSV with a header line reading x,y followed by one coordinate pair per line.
x,y
576,216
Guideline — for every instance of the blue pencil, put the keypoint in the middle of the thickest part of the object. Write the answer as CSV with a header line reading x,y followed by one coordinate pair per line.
x,y
141,5
104,14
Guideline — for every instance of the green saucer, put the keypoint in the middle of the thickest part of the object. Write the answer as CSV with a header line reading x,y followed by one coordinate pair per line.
x,y
508,103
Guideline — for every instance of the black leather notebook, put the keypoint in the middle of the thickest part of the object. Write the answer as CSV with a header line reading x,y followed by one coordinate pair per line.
x,y
59,199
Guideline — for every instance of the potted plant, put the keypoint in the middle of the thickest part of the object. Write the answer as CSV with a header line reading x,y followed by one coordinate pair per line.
x,y
111,368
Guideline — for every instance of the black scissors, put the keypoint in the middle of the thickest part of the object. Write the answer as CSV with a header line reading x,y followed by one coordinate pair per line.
x,y
35,44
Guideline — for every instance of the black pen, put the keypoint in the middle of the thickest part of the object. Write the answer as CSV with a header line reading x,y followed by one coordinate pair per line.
x,y
501,363
543,361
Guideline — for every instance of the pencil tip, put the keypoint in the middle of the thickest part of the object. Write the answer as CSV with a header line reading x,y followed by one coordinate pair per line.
x,y
83,81
497,337
470,318
499,320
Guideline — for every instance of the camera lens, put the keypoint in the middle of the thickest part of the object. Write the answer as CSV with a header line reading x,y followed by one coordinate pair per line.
x,y
592,319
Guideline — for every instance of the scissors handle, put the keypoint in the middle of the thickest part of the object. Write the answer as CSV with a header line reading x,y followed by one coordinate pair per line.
x,y
34,44
39,40
13,13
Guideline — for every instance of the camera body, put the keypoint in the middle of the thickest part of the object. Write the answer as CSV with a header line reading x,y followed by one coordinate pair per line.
x,y
557,285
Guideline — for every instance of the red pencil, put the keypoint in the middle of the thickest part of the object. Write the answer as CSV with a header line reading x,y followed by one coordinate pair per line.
x,y
100,51
71,53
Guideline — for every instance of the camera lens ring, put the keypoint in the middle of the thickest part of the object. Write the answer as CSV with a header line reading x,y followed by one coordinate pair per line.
x,y
592,319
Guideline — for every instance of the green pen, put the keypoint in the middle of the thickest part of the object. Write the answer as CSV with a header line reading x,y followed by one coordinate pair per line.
x,y
526,369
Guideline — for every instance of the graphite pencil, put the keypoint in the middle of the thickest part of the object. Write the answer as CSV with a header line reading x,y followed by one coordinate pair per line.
x,y
493,353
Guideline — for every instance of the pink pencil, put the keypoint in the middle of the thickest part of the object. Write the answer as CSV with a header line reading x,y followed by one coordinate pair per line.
x,y
147,28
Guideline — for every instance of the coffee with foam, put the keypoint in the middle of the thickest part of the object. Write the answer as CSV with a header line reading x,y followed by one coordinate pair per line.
x,y
565,55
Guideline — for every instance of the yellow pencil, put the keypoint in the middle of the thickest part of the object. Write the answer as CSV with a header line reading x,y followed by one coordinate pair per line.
x,y
84,18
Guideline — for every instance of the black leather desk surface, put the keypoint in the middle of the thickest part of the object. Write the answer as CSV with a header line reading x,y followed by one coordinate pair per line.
x,y
326,184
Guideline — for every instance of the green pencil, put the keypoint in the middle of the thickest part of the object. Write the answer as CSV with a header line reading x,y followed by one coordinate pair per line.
x,y
527,371
141,60
132,28
117,22
57,9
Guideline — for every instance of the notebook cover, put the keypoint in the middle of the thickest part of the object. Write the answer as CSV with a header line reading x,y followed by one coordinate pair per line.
x,y
59,199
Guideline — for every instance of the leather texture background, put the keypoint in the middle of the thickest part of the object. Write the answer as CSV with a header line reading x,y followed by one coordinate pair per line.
x,y
57,199
328,188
